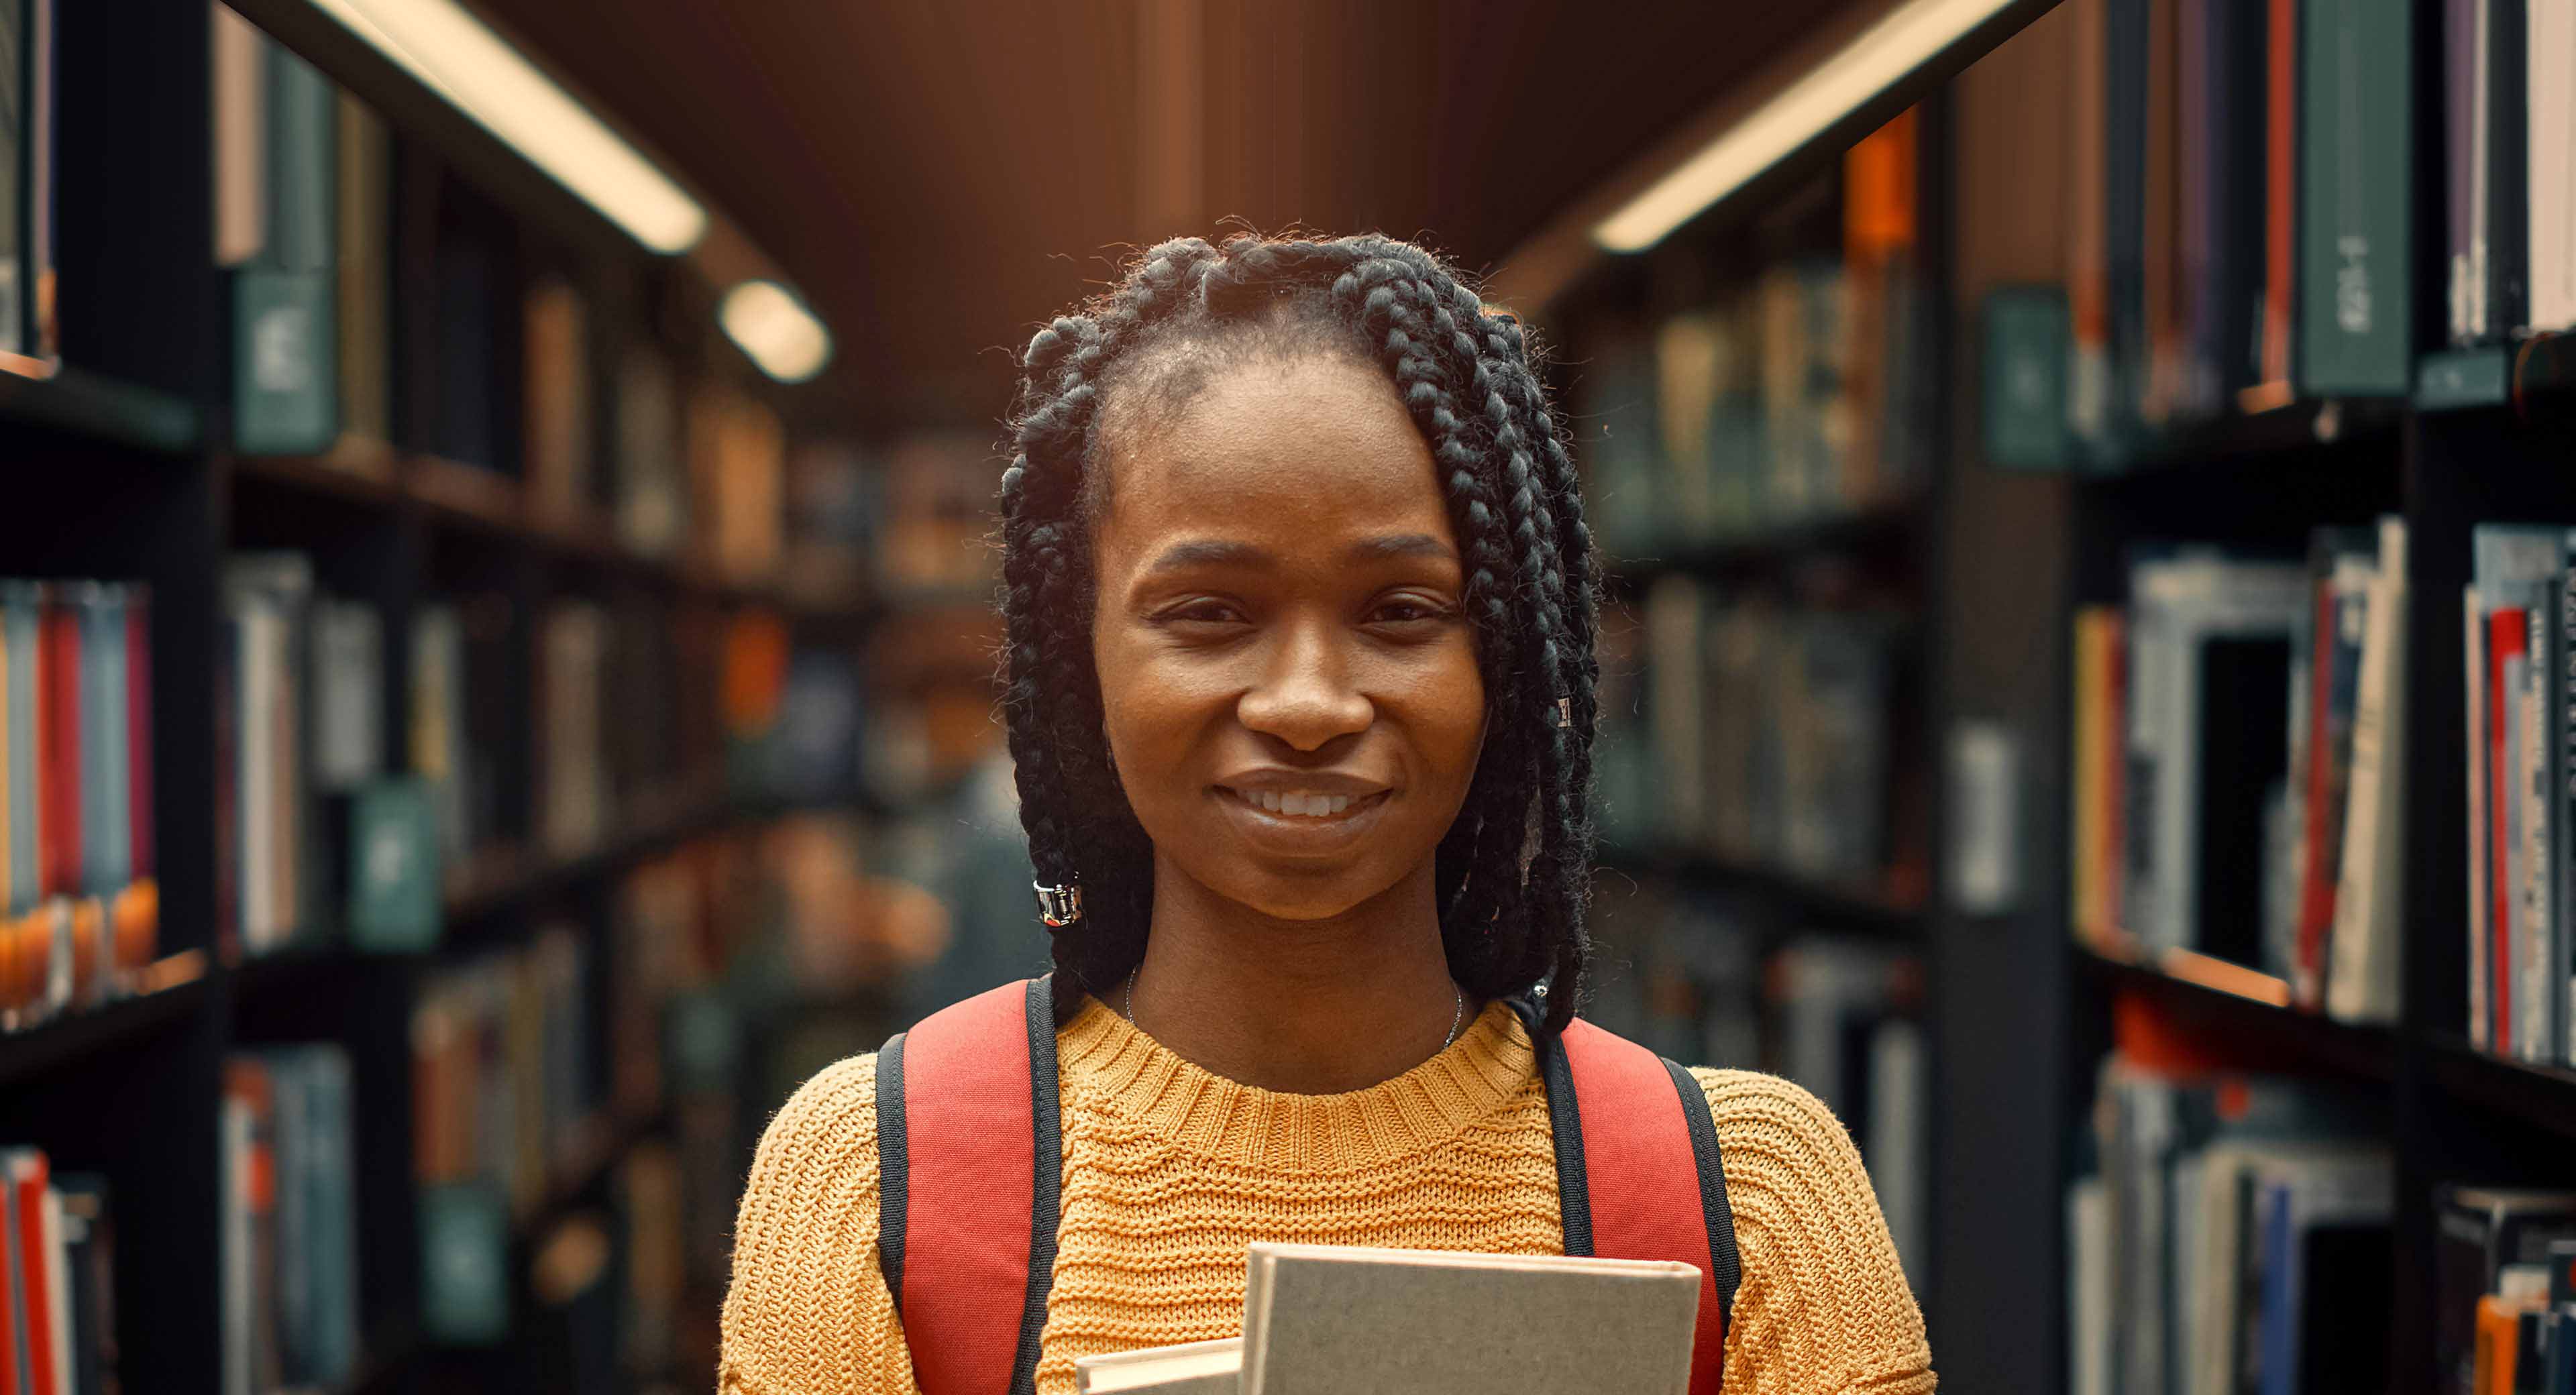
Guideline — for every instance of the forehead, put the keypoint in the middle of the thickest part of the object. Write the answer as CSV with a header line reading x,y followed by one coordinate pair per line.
x,y
1302,451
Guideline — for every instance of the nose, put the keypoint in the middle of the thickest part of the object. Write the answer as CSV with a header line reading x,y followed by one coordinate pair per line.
x,y
1304,695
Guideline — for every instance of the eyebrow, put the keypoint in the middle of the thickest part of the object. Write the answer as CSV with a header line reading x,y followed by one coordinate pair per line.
x,y
1218,552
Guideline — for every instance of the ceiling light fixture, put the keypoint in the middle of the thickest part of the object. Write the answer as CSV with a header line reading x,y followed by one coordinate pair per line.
x,y
459,57
776,330
1880,57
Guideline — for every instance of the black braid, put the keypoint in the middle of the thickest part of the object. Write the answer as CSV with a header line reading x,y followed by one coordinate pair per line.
x,y
1513,872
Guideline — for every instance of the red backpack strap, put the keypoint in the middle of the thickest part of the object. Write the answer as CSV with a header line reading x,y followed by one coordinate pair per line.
x,y
1638,1175
970,1172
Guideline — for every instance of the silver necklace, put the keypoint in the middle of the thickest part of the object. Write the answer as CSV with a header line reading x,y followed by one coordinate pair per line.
x,y
1457,1014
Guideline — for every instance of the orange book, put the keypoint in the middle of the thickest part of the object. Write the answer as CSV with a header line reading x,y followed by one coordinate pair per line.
x,y
2281,203
2162,385
2499,1343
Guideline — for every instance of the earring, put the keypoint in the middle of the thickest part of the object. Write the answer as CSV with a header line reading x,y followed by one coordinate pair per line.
x,y
1059,906
1565,712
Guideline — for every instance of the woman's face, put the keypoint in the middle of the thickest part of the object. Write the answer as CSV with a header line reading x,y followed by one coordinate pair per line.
x,y
1288,673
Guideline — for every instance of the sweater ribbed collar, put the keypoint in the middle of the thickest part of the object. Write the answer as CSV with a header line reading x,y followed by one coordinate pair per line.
x,y
1105,1062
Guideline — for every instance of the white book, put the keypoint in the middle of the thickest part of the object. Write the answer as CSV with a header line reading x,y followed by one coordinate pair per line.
x,y
1343,1320
2536,920
2550,52
2362,955
1191,1368
349,686
260,660
2481,1012
58,1298
2088,1287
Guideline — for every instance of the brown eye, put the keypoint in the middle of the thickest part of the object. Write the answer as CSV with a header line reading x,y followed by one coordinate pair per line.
x,y
1202,612
1408,611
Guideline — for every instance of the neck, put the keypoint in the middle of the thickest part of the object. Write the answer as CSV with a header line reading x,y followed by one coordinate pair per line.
x,y
1309,1007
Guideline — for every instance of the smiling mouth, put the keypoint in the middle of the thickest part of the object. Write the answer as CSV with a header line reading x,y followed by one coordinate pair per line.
x,y
1320,807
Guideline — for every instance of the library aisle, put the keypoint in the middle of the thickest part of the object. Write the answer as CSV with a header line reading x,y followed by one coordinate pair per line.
x,y
497,630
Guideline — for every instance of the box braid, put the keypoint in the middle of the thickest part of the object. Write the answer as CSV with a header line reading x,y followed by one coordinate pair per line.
x,y
1513,872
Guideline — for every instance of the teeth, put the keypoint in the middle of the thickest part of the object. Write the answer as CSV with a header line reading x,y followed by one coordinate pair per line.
x,y
1299,802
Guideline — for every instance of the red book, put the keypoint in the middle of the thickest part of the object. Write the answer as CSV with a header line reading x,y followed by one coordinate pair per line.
x,y
2280,189
27,1176
58,770
2508,638
2316,861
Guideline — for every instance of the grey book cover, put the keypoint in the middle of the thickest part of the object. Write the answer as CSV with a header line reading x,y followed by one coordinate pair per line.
x,y
1340,1320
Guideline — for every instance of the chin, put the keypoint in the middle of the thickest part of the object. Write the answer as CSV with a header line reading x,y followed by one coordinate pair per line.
x,y
1284,894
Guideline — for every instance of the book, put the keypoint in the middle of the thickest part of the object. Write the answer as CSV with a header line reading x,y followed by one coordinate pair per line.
x,y
2209,663
2342,565
2363,972
557,398
2515,924
2480,1234
88,1243
362,183
2024,402
2356,197
1190,1368
285,392
1354,1321
2551,193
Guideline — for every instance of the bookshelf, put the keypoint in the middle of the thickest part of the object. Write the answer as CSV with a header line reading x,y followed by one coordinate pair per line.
x,y
1998,560
123,463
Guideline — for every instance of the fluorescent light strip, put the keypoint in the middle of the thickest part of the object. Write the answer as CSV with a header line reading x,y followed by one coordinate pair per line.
x,y
479,73
776,330
1870,64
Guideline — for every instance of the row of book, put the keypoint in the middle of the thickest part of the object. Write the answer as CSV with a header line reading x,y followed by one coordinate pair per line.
x,y
1784,721
2508,123
2505,1277
310,232
2234,1235
2518,618
57,1279
1801,395
1714,978
2224,675
78,902
506,1087
289,1223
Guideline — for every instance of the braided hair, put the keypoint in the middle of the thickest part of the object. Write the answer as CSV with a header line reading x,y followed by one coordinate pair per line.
x,y
1512,875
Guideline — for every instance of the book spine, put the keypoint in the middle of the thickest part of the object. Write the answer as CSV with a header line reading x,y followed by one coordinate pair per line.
x,y
2504,646
2317,808
2459,166
2481,1004
2562,796
28,1178
284,379
2507,170
59,771
2356,78
2534,853
2280,191
42,336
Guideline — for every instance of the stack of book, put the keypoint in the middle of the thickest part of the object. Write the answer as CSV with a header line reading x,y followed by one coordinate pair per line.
x,y
1357,1321
2519,618
290,1230
2505,1276
2225,675
2235,1236
317,840
2508,67
78,901
57,1279
1803,395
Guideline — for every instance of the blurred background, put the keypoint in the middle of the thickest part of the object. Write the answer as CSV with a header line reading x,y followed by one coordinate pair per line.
x,y
496,645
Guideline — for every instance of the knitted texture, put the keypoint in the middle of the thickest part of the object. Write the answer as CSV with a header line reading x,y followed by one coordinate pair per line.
x,y
1169,1172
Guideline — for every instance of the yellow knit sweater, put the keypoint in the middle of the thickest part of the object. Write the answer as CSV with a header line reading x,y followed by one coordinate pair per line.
x,y
1170,1171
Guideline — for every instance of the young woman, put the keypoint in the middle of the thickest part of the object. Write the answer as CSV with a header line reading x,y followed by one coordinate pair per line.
x,y
1301,692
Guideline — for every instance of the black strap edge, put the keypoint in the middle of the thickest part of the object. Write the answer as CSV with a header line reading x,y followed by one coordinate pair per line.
x,y
1565,1130
894,1186
1726,1269
1046,1128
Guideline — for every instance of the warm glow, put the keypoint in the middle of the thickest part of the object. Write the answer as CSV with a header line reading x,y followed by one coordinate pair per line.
x,y
1862,69
776,329
458,57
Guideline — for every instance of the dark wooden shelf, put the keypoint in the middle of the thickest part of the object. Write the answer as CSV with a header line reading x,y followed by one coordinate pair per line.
x,y
88,404
53,1045
2299,426
1802,903
2539,1095
2248,1011
1873,531
2494,375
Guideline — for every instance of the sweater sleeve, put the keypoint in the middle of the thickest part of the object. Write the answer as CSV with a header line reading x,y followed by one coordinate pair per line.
x,y
1823,1308
808,1312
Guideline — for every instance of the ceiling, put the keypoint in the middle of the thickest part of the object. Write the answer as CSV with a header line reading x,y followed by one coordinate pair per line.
x,y
939,176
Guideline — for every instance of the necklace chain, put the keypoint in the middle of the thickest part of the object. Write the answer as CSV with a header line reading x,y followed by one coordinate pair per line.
x,y
1457,1014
